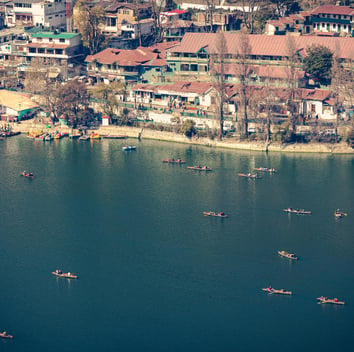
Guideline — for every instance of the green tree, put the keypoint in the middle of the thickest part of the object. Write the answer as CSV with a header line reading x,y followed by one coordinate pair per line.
x,y
318,63
74,99
89,20
188,128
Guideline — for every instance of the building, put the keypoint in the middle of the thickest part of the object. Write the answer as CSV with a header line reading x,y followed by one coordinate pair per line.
x,y
13,104
49,14
54,49
127,65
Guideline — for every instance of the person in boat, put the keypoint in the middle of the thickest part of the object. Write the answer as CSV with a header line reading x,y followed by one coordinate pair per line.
x,y
221,213
58,271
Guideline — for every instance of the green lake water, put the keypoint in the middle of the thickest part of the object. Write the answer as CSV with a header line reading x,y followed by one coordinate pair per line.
x,y
154,273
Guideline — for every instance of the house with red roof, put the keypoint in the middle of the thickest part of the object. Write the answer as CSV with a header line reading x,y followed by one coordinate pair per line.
x,y
127,65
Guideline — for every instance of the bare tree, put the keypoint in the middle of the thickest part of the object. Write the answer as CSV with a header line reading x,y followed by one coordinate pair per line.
x,y
210,4
242,69
219,82
292,61
250,11
158,29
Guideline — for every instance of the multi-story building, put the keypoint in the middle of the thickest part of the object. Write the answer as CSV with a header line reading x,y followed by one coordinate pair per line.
x,y
50,14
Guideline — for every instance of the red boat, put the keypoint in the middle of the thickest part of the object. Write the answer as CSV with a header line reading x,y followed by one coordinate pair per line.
x,y
173,161
200,168
220,214
67,275
27,174
5,335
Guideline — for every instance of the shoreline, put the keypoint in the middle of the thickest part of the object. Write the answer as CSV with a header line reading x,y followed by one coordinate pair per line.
x,y
229,143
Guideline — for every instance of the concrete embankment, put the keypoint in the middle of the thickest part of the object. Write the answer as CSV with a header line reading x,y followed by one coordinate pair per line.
x,y
230,143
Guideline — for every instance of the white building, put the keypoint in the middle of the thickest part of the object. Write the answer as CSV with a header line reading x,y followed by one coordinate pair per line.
x,y
49,14
133,28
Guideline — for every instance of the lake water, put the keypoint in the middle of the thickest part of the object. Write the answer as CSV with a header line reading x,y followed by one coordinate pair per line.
x,y
154,273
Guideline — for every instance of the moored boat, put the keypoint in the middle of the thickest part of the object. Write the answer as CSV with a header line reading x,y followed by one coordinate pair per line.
x,y
297,211
200,168
288,255
95,136
84,137
27,174
67,275
173,161
219,214
129,147
339,214
323,300
5,335
274,291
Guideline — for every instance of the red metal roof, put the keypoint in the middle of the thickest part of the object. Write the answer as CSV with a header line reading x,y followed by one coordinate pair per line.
x,y
261,44
333,10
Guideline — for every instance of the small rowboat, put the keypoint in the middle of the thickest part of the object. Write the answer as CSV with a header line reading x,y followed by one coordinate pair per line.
x,y
5,335
67,275
200,168
274,291
27,174
249,175
265,169
297,211
339,214
220,214
323,300
173,161
129,147
288,255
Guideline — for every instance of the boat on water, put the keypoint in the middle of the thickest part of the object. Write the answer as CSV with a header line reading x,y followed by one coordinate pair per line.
x,y
339,214
67,275
84,137
265,169
48,137
249,175
5,335
288,255
27,174
173,161
323,300
95,136
297,211
200,168
219,214
274,291
129,147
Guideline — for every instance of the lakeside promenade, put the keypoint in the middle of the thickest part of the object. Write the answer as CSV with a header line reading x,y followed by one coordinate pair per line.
x,y
230,143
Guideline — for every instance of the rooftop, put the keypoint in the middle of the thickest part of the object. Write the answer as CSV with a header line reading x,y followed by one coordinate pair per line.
x,y
16,101
64,35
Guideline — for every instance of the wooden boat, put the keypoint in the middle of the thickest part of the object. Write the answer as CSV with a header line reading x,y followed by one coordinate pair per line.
x,y
323,300
339,214
297,211
219,214
265,169
27,174
129,147
274,291
288,255
200,168
5,335
67,275
114,136
249,175
173,161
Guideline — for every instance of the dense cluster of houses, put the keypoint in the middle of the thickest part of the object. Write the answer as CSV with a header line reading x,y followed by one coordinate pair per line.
x,y
177,72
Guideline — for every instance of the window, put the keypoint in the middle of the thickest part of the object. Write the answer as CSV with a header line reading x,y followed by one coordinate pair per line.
x,y
61,40
313,108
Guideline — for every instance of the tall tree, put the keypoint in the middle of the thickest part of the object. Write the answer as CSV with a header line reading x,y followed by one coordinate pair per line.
x,y
74,98
89,20
318,63
219,79
242,69
108,94
291,71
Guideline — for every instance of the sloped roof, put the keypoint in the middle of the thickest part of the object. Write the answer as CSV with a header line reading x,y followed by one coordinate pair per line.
x,y
262,45
333,10
315,94
16,101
